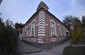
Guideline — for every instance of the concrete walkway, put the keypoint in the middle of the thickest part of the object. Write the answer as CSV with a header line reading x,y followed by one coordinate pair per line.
x,y
58,50
25,48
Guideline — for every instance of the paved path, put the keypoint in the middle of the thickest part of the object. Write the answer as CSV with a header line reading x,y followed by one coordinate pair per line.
x,y
58,50
26,48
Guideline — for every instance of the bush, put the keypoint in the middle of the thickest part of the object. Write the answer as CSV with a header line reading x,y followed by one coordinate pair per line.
x,y
8,39
74,50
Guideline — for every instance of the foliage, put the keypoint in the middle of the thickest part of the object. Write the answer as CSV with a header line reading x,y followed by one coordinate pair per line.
x,y
81,42
0,1
77,30
74,26
83,22
70,50
68,22
18,25
8,38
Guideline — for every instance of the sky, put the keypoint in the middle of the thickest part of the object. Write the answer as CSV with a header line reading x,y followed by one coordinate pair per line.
x,y
21,10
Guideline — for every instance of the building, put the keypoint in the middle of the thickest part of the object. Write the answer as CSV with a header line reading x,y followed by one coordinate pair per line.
x,y
43,27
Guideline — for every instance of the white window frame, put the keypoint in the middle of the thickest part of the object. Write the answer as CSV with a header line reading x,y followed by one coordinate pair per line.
x,y
26,31
60,29
28,26
54,27
34,27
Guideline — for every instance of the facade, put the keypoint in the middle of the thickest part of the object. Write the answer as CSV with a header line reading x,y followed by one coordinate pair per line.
x,y
43,27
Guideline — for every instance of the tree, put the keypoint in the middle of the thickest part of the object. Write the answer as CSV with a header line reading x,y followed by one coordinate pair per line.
x,y
0,1
77,30
18,25
2,29
8,38
11,38
68,22
83,22
74,26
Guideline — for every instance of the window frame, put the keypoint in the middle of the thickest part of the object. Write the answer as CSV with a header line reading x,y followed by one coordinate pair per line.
x,y
54,27
31,34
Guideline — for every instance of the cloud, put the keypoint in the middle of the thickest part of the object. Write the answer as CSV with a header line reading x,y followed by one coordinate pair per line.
x,y
22,10
77,8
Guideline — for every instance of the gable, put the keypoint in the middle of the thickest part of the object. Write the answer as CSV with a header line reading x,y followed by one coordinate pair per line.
x,y
48,15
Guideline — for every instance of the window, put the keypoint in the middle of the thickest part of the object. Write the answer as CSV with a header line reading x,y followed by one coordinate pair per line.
x,y
53,30
33,29
59,30
28,30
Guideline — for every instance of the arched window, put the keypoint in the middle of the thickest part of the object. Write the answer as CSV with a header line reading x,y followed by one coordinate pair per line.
x,y
33,29
28,30
53,28
59,30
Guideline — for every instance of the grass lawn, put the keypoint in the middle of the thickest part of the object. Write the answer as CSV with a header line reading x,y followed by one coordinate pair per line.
x,y
74,50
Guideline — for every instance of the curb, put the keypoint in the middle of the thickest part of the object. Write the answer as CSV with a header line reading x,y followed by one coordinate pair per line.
x,y
19,52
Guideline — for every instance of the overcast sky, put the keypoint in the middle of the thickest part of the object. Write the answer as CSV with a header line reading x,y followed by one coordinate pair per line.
x,y
21,10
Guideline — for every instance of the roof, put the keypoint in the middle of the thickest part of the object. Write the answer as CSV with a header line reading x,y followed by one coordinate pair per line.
x,y
46,11
42,4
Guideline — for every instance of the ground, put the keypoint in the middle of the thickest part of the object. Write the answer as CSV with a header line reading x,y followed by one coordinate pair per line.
x,y
58,50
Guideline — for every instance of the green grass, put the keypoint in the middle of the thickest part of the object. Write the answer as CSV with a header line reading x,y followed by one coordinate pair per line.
x,y
74,50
